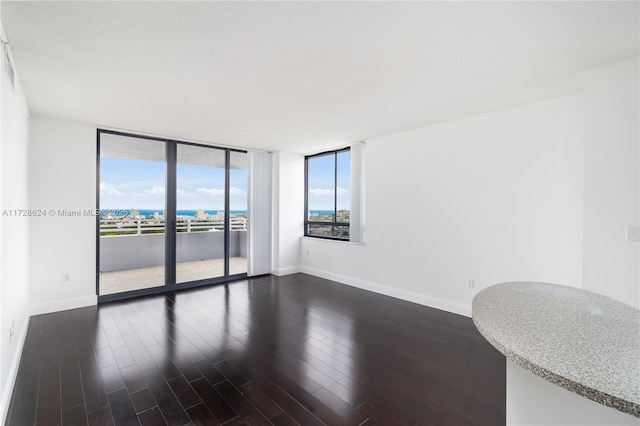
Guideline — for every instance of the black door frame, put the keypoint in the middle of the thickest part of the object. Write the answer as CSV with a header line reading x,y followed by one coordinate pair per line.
x,y
170,284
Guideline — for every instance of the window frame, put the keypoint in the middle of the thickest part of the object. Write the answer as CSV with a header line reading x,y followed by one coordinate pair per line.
x,y
335,222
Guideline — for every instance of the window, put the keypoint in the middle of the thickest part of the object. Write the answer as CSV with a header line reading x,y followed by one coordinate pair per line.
x,y
173,215
328,195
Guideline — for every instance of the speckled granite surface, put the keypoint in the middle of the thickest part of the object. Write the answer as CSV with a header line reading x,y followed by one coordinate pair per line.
x,y
582,341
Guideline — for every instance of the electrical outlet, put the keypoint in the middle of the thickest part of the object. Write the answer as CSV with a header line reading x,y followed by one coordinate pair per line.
x,y
66,278
633,233
471,283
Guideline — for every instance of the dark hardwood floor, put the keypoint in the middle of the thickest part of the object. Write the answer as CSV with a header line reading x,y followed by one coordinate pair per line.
x,y
282,351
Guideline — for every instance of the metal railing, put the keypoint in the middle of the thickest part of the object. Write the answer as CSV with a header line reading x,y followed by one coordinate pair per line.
x,y
143,226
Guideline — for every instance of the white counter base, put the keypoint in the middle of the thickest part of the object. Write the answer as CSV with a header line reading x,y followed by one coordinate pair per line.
x,y
532,400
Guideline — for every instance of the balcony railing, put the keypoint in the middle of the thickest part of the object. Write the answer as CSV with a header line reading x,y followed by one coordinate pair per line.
x,y
138,242
142,225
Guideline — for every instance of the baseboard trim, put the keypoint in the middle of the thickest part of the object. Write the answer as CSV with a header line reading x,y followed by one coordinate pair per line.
x,y
279,272
422,299
63,305
12,374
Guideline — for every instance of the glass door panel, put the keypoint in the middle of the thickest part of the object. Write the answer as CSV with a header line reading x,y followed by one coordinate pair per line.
x,y
200,213
238,174
132,223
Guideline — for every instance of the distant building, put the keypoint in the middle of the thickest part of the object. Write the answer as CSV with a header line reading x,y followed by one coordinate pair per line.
x,y
135,213
200,214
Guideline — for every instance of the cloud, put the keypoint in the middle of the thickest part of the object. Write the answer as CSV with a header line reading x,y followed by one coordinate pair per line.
x,y
105,188
187,194
156,190
215,191
322,192
210,191
342,191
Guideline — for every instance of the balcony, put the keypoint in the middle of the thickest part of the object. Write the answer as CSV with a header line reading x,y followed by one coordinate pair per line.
x,y
132,251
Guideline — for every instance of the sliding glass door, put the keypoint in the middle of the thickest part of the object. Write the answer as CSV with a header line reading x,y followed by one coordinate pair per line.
x,y
172,214
201,221
238,242
132,201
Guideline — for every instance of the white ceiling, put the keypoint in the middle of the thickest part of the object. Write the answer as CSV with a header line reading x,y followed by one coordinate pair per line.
x,y
303,76
120,146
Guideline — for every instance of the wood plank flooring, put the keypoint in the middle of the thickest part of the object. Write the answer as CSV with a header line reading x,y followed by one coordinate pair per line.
x,y
269,350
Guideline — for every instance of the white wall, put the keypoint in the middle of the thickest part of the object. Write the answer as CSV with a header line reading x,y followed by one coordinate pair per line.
x,y
288,208
62,160
14,247
611,186
495,197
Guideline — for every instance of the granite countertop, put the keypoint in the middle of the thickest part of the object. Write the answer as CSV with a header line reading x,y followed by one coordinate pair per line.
x,y
582,341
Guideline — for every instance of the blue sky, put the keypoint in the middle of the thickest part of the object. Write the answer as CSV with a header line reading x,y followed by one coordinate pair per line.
x,y
322,178
138,184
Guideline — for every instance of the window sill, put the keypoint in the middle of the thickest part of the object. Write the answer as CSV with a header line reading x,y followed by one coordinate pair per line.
x,y
329,240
